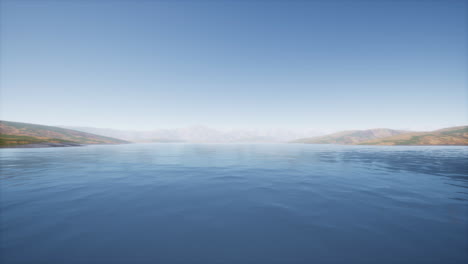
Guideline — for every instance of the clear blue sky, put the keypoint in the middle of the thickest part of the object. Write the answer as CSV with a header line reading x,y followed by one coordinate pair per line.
x,y
235,64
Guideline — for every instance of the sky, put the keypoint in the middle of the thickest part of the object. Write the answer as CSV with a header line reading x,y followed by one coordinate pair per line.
x,y
144,65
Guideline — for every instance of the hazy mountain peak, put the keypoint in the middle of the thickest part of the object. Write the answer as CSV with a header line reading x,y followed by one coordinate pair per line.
x,y
201,133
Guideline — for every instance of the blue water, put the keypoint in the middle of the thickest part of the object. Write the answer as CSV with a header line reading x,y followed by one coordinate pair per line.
x,y
245,203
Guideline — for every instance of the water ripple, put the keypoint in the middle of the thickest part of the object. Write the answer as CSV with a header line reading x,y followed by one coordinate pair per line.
x,y
227,203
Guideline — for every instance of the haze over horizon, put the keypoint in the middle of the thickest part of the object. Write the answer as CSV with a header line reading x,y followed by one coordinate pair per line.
x,y
321,65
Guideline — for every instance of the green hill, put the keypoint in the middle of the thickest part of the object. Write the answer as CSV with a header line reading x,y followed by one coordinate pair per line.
x,y
15,133
446,136
351,137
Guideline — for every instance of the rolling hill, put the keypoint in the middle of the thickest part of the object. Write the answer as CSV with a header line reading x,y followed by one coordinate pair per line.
x,y
446,136
15,133
351,137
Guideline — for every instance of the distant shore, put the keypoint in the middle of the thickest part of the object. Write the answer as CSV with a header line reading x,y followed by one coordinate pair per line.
x,y
45,145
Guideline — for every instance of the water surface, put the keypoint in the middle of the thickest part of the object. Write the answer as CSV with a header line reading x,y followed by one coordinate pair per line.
x,y
234,203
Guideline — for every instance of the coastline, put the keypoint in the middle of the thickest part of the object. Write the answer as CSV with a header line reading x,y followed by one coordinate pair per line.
x,y
45,145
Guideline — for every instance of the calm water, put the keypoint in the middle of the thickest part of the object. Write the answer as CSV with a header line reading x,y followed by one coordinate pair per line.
x,y
211,203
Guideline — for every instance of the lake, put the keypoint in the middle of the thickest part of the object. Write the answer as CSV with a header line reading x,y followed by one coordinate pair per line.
x,y
234,203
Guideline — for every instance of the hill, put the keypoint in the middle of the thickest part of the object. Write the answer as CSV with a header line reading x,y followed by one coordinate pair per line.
x,y
15,133
351,137
446,136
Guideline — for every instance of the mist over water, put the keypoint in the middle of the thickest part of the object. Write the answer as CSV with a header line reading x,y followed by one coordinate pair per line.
x,y
234,203
204,134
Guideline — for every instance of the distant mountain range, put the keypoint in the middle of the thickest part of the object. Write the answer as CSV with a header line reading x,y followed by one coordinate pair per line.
x,y
383,136
15,133
203,134
446,136
351,136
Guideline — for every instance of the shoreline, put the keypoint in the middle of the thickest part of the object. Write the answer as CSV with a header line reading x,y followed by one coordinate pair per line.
x,y
45,145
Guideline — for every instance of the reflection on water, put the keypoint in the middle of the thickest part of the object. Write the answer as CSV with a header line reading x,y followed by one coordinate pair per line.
x,y
234,203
